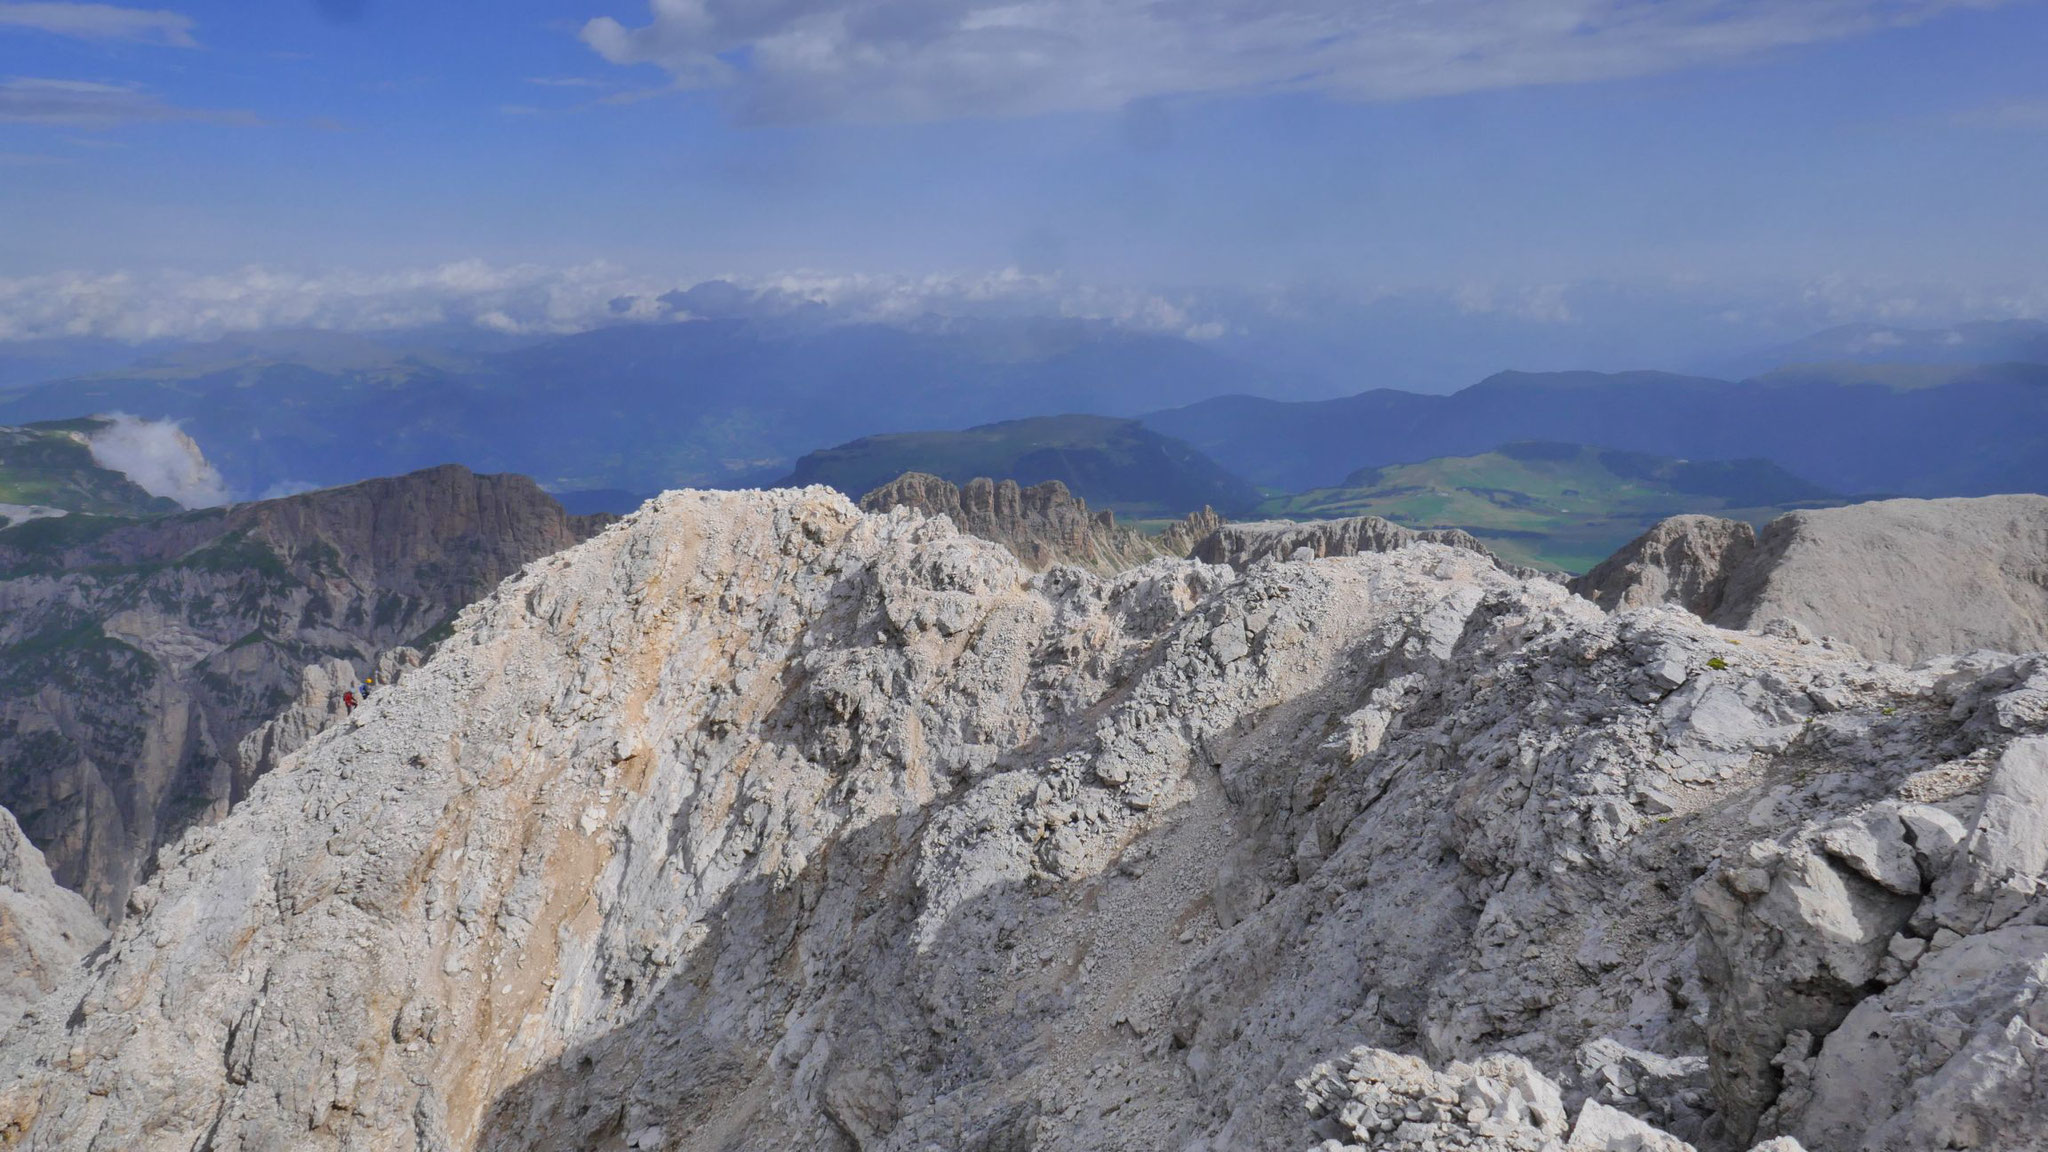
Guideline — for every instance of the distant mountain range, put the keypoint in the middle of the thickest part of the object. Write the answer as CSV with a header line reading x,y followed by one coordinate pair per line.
x,y
1115,464
607,417
1557,505
1979,342
1965,432
637,408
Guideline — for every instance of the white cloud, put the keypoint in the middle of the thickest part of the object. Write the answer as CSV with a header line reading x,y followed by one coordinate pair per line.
x,y
88,104
101,22
1393,335
538,299
937,59
1542,303
160,458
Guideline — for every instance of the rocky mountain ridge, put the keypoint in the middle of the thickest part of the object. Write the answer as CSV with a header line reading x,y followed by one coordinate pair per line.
x,y
1967,432
135,655
1041,525
1900,580
758,822
1242,545
1114,464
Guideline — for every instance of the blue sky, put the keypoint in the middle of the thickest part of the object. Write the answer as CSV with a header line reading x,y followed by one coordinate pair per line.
x,y
1885,155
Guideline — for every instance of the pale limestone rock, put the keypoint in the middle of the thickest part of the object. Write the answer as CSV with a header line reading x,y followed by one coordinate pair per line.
x,y
44,929
1998,871
1950,1058
1242,545
1901,580
1875,847
1373,1100
760,823
1603,1129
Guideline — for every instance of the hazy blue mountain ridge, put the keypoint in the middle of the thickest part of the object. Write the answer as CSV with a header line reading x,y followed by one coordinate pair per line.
x,y
1110,463
633,407
1982,431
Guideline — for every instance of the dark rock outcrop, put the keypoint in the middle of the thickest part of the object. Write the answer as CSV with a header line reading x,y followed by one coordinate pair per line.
x,y
1241,545
1685,560
1042,525
135,655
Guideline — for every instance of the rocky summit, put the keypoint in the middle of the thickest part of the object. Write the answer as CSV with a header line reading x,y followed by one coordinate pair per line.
x,y
757,822
1898,579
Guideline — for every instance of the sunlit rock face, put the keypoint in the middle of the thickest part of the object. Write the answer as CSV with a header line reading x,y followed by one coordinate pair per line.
x,y
757,822
1901,580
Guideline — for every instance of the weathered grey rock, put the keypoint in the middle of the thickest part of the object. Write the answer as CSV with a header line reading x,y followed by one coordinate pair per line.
x,y
1953,1057
1791,942
1671,1092
1242,545
1683,560
1373,1098
1999,872
44,929
1904,579
1900,580
1382,1101
760,823
1603,1129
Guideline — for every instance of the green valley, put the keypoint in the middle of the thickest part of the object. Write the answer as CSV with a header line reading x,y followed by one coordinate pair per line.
x,y
1556,505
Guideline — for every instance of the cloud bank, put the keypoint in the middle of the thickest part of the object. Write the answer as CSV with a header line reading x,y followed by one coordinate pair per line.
x,y
160,458
101,22
1324,338
939,59
533,299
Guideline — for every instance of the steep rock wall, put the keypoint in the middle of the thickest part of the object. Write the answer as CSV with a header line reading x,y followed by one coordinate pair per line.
x,y
136,655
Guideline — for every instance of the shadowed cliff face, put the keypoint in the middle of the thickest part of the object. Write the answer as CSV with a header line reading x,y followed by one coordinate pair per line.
x,y
135,655
44,929
759,823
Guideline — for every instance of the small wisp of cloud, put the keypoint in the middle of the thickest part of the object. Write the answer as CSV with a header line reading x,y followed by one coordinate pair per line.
x,y
92,105
160,458
2013,116
101,22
